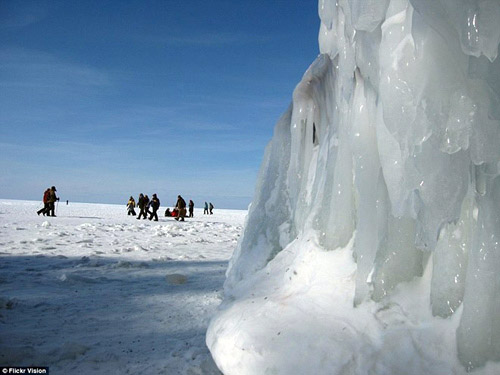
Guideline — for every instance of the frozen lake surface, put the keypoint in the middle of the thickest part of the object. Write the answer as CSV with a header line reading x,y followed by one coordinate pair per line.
x,y
94,291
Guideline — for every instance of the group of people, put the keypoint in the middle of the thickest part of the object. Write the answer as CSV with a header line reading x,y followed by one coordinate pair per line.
x,y
209,207
49,202
144,204
151,206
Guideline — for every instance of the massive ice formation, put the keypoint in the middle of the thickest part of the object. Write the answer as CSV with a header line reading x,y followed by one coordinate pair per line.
x,y
391,148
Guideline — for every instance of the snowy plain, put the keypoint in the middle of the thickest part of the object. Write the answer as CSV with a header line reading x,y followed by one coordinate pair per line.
x,y
94,291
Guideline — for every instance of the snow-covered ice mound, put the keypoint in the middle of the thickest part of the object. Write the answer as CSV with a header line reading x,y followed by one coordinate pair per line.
x,y
373,242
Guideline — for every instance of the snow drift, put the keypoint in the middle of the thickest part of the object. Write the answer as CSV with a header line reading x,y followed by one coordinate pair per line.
x,y
372,244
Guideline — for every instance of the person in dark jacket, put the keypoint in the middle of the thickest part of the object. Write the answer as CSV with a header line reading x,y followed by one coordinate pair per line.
x,y
205,211
142,203
211,208
155,205
52,201
181,206
45,209
191,208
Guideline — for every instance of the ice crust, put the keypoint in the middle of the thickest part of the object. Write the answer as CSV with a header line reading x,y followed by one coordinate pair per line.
x,y
390,151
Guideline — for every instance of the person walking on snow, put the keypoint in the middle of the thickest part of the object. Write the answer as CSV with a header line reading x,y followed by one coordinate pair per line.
x,y
45,200
155,205
205,211
52,201
191,208
142,204
211,207
131,206
181,206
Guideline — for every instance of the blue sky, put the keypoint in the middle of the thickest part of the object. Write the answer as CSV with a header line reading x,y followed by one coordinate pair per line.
x,y
107,99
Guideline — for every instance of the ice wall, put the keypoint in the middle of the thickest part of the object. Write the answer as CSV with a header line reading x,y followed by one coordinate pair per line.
x,y
393,141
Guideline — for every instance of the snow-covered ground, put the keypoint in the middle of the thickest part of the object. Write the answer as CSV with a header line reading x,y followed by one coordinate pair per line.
x,y
94,291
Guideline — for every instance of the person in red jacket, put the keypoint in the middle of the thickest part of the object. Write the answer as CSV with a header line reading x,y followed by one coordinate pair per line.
x,y
45,209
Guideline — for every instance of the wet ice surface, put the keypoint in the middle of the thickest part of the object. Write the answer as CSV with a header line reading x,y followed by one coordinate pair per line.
x,y
96,291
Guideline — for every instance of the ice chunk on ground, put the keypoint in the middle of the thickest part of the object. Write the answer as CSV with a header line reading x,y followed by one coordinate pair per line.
x,y
176,279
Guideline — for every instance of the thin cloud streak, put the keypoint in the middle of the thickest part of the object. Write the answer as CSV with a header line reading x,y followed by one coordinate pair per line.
x,y
209,39
28,68
19,14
